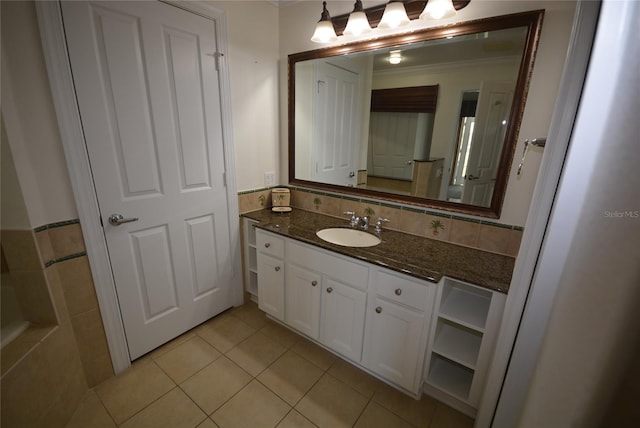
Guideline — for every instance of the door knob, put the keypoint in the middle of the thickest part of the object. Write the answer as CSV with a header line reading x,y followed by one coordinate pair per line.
x,y
329,290
314,283
118,219
472,177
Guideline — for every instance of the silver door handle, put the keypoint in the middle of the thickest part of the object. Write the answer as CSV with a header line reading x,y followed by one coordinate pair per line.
x,y
118,219
472,177
409,162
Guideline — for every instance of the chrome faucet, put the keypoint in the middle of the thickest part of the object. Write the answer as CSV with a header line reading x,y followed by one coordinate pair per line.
x,y
379,223
353,222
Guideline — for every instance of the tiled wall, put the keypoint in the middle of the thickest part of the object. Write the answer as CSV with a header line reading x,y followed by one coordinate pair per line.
x,y
48,369
470,232
64,255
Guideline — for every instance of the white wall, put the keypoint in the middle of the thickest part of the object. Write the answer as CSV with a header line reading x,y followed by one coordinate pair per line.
x,y
297,21
591,252
13,210
31,123
253,65
30,120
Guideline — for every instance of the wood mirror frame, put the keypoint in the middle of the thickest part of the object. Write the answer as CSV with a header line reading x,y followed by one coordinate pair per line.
x,y
532,20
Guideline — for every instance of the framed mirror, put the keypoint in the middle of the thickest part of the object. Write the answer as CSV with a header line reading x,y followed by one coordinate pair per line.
x,y
428,118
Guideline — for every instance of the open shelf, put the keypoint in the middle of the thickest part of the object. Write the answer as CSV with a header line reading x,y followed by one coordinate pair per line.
x,y
450,377
250,257
457,343
465,304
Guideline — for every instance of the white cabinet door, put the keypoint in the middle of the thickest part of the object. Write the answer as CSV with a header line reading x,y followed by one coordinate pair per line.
x,y
393,345
342,318
303,300
271,285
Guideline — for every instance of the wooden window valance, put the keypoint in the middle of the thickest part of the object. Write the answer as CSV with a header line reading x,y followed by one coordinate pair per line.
x,y
416,99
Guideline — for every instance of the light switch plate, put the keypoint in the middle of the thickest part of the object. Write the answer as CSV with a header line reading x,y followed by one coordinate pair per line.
x,y
269,179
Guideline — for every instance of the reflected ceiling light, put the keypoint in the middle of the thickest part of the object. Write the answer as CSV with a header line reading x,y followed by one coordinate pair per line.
x,y
324,32
395,57
394,15
358,22
438,9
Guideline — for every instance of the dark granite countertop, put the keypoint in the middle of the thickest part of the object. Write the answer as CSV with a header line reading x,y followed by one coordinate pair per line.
x,y
423,258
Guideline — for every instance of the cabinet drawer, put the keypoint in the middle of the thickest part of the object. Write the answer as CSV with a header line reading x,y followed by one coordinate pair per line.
x,y
402,290
269,243
343,270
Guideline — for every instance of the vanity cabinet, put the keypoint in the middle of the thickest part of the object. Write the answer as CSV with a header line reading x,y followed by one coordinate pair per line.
x,y
417,335
302,301
462,340
326,298
270,264
398,319
342,320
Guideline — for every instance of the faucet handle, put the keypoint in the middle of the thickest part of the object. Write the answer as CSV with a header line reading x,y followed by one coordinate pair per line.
x,y
354,220
379,223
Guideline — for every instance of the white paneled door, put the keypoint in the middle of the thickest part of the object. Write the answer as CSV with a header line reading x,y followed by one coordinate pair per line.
x,y
148,92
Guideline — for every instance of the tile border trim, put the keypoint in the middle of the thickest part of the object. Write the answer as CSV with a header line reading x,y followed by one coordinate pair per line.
x,y
388,204
55,225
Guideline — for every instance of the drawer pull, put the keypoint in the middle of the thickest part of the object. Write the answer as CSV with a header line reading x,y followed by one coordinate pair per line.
x,y
314,283
277,268
398,291
329,290
378,310
267,245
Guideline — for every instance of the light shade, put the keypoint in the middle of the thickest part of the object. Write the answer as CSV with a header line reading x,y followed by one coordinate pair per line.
x,y
438,9
324,32
358,22
395,57
394,15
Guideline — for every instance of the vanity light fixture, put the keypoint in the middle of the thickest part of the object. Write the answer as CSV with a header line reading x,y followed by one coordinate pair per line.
x,y
358,22
324,32
394,15
395,57
438,9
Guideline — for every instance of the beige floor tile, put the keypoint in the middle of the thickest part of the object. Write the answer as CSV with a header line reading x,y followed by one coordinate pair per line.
x,y
251,315
332,404
207,423
290,376
187,358
212,386
256,353
91,413
283,335
376,416
417,412
295,420
171,345
314,353
225,332
173,410
357,379
446,417
129,392
255,406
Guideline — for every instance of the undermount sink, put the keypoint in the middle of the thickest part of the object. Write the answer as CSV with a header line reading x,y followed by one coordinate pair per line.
x,y
348,237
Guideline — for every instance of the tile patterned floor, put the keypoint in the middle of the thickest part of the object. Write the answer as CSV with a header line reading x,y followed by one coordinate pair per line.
x,y
242,370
